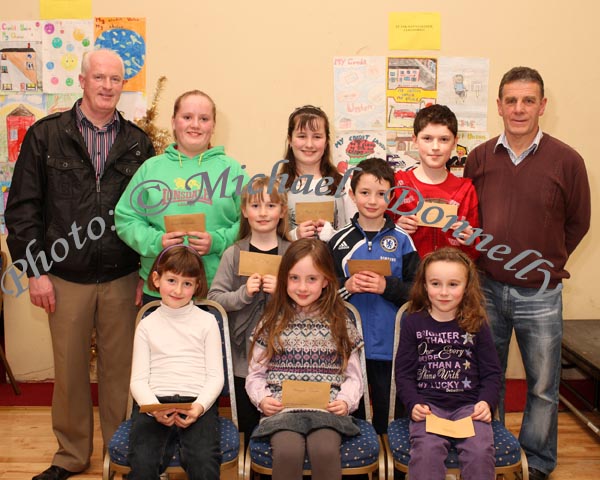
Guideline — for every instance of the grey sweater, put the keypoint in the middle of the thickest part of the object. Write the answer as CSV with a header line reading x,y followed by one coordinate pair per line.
x,y
243,311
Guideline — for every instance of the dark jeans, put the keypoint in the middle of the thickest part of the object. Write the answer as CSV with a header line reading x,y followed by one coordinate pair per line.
x,y
148,298
151,445
379,373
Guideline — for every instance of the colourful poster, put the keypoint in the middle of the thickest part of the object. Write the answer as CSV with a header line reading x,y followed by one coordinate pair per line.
x,y
126,36
350,148
467,141
401,151
17,113
414,31
65,9
63,44
20,56
411,85
359,93
463,86
60,102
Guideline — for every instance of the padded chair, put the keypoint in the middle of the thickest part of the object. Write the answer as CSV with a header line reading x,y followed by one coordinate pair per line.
x,y
362,454
232,442
511,461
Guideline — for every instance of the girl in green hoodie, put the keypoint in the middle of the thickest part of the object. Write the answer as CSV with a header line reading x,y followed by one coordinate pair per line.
x,y
191,176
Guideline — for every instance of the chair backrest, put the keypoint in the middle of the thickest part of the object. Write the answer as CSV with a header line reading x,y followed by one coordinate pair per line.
x,y
399,315
355,317
220,314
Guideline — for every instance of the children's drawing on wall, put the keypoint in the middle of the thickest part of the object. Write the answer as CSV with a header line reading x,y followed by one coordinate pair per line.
x,y
401,115
401,152
20,56
127,37
63,44
463,86
17,113
459,87
467,141
411,85
351,148
60,102
359,93
132,105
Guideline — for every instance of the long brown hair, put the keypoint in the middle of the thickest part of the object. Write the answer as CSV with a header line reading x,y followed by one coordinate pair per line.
x,y
254,192
281,309
307,117
470,313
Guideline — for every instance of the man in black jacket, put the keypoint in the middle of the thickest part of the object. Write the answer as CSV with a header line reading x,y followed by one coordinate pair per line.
x,y
72,168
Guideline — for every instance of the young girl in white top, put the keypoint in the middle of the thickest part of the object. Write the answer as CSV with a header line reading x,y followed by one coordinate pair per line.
x,y
177,358
263,226
305,335
309,160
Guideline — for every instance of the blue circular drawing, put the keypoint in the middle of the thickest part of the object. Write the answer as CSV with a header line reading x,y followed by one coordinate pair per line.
x,y
128,44
50,65
70,47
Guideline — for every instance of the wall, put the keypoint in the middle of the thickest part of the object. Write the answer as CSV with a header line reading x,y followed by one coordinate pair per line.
x,y
260,60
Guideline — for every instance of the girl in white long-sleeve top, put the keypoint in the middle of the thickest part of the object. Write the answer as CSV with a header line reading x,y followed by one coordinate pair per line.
x,y
177,358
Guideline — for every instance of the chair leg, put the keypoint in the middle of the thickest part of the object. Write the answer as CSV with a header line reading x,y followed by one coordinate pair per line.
x,y
11,377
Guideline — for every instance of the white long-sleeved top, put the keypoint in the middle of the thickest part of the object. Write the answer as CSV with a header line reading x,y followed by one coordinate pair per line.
x,y
177,351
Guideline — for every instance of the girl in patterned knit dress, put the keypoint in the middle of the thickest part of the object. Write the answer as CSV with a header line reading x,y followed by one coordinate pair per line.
x,y
305,334
447,366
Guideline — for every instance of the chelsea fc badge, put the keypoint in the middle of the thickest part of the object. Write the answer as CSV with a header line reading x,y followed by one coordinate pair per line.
x,y
389,243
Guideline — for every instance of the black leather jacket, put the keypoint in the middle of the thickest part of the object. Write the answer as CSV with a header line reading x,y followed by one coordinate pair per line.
x,y
59,218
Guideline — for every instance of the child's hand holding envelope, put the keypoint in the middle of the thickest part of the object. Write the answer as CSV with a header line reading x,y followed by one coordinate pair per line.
x,y
299,394
367,276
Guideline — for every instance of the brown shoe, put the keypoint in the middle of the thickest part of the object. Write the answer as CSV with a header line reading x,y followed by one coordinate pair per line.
x,y
54,472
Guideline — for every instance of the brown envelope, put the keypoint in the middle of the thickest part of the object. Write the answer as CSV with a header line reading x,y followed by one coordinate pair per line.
x,y
381,267
314,211
448,209
190,222
462,428
299,394
164,406
261,263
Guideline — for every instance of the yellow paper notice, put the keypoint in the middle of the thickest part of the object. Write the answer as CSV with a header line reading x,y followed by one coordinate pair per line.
x,y
415,31
65,9
462,428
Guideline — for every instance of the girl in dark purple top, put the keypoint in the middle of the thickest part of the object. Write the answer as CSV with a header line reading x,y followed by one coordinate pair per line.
x,y
447,366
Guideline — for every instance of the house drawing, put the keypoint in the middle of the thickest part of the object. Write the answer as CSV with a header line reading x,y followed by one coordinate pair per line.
x,y
18,70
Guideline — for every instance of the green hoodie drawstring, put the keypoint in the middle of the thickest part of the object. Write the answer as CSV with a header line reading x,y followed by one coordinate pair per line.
x,y
199,158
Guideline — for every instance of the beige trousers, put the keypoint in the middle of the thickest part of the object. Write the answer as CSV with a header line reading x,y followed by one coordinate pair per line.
x,y
109,307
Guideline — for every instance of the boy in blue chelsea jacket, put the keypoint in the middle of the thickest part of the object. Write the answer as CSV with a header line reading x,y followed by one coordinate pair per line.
x,y
372,235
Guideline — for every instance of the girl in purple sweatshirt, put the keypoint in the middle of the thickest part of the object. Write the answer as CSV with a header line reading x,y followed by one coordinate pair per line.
x,y
447,366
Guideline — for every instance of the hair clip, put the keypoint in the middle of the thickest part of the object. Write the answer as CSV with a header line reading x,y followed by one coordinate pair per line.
x,y
307,107
173,246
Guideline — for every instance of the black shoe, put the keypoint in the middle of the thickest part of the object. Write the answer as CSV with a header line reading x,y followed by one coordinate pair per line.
x,y
54,472
535,474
